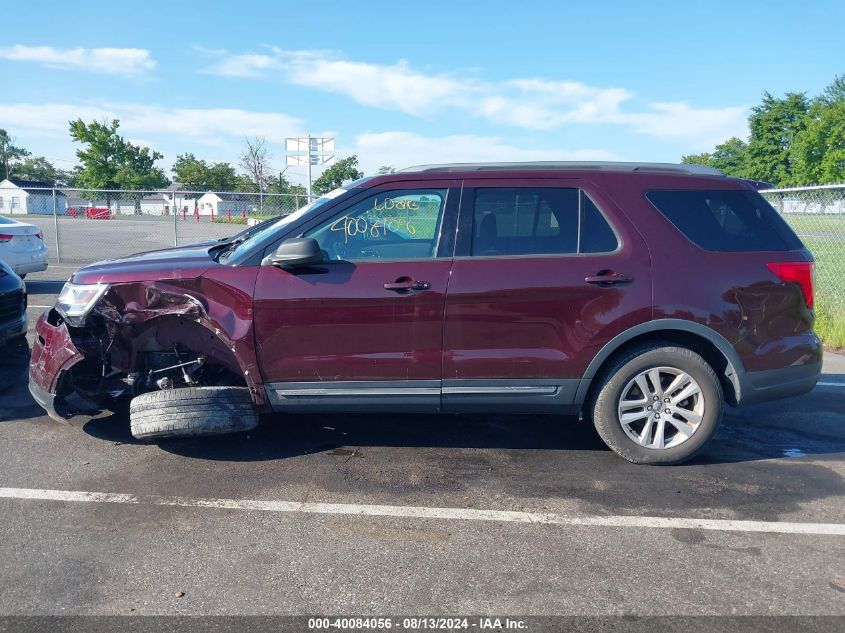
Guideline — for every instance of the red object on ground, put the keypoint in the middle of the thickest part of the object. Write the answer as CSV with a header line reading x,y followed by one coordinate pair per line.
x,y
97,213
184,213
196,213
243,213
228,215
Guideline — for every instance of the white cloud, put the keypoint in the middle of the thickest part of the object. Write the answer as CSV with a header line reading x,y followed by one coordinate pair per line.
x,y
218,134
215,134
244,65
112,61
705,127
532,103
392,87
404,149
140,120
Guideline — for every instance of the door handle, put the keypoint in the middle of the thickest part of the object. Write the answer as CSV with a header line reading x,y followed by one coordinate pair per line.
x,y
608,278
406,284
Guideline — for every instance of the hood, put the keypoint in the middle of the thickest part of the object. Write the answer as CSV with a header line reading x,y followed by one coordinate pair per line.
x,y
184,262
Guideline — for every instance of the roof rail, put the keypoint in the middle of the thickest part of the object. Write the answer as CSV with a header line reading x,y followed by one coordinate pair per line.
x,y
700,170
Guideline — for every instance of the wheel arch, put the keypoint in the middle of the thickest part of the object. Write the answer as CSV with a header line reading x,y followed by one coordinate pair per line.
x,y
706,342
200,336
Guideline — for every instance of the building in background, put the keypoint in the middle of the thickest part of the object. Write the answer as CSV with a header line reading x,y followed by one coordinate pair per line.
x,y
29,197
223,204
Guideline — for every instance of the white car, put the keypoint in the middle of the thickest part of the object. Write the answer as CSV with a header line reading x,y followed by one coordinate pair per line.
x,y
22,246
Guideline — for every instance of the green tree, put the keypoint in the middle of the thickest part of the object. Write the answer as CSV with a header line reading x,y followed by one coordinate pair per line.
x,y
819,149
108,161
731,157
279,184
35,168
282,185
197,175
774,125
223,177
191,172
334,176
835,92
386,169
9,153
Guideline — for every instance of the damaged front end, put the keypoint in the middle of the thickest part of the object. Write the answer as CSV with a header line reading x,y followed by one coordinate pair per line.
x,y
102,342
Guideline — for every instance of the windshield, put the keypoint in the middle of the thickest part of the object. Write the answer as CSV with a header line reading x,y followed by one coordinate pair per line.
x,y
283,221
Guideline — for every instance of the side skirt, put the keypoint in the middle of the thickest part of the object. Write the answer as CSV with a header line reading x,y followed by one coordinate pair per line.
x,y
532,395
355,396
458,396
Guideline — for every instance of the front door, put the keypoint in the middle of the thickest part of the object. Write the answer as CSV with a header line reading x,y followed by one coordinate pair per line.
x,y
545,273
364,330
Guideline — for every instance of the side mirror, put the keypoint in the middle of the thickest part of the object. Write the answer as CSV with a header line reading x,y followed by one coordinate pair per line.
x,y
293,253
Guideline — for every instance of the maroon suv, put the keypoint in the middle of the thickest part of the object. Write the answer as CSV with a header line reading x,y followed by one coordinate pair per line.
x,y
643,296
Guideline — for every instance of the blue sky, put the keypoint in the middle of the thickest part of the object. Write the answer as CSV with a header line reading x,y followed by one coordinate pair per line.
x,y
409,83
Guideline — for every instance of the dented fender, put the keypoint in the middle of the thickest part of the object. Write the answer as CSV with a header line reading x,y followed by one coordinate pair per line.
x,y
209,314
53,353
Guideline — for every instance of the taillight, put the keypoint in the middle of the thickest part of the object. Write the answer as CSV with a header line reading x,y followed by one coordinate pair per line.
x,y
801,273
5,237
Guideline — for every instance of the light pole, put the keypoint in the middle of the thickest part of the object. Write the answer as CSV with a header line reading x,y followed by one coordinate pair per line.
x,y
309,150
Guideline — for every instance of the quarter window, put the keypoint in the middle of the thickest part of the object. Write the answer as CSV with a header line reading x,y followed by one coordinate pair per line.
x,y
538,221
390,225
725,220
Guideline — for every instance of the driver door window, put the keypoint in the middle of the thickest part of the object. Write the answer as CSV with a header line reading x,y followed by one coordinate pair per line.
x,y
402,224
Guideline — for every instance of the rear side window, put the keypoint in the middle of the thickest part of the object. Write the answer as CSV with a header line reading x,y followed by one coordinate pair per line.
x,y
538,221
726,221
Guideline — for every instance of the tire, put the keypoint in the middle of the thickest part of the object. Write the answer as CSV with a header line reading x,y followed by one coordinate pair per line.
x,y
192,412
620,391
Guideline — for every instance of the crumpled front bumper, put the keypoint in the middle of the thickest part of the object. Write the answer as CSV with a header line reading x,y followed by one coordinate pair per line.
x,y
53,354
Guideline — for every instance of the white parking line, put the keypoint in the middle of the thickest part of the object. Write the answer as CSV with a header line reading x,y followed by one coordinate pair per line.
x,y
422,512
35,306
830,384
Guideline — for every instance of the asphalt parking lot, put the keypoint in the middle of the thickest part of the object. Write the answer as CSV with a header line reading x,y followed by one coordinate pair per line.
x,y
125,234
412,514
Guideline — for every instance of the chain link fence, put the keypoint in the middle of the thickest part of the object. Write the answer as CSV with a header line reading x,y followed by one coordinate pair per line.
x,y
817,215
81,225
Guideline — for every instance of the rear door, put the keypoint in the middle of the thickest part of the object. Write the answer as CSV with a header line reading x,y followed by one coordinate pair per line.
x,y
546,272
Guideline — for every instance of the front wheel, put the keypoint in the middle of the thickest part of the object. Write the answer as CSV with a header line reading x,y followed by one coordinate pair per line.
x,y
191,412
658,404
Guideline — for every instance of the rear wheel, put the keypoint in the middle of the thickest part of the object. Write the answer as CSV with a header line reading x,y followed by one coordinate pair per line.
x,y
192,412
658,404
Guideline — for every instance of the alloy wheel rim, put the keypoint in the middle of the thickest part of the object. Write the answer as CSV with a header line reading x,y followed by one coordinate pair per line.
x,y
661,407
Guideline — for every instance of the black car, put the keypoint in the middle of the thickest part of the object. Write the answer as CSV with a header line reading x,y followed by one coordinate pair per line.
x,y
13,320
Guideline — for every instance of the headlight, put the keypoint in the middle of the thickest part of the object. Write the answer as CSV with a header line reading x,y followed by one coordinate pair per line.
x,y
75,301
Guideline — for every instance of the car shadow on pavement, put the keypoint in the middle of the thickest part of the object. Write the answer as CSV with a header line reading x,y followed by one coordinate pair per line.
x,y
744,436
280,437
